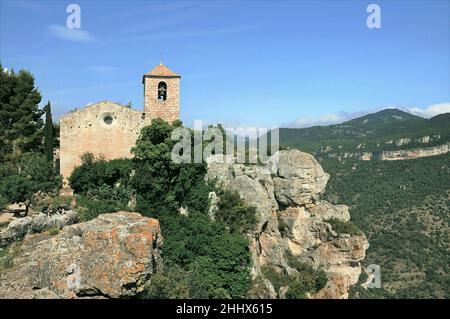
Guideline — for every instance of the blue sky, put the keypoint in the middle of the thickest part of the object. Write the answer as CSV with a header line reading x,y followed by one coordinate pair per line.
x,y
262,63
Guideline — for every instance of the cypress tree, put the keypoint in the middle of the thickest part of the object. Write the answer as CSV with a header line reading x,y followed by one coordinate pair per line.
x,y
48,133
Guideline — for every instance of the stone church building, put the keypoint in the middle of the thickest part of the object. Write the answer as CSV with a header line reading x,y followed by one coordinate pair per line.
x,y
109,129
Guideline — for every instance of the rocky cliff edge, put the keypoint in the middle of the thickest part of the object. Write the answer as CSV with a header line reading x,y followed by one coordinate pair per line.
x,y
292,219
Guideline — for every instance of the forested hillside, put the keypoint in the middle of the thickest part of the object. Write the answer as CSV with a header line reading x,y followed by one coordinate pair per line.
x,y
389,129
403,208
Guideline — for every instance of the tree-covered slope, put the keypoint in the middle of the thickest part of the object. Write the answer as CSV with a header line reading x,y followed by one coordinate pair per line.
x,y
404,209
388,129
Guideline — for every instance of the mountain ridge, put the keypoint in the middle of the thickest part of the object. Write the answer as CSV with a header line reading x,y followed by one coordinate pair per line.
x,y
385,130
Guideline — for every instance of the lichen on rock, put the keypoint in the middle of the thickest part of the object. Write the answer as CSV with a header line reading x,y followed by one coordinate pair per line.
x,y
110,256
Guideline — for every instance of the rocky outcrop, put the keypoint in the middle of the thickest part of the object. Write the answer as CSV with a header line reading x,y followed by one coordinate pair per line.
x,y
253,183
111,256
414,153
293,220
18,228
405,154
298,179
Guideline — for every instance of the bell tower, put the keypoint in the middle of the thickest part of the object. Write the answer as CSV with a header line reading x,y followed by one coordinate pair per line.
x,y
162,94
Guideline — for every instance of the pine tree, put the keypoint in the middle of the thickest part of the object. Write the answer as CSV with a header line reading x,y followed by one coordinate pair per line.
x,y
20,116
48,133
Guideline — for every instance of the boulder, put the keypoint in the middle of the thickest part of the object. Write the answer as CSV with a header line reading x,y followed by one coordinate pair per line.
x,y
18,228
108,257
323,210
299,179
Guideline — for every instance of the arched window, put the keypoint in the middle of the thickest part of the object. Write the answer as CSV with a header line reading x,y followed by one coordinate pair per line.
x,y
162,91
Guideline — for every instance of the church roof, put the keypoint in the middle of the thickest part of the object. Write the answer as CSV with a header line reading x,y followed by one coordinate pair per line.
x,y
162,70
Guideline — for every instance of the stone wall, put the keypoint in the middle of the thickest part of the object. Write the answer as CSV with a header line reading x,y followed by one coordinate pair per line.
x,y
169,109
86,130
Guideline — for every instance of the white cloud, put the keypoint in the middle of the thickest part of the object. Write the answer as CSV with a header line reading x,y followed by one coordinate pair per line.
x,y
65,33
431,110
326,119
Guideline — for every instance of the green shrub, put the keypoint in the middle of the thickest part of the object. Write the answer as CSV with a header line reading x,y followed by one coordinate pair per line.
x,y
6,262
344,227
234,213
298,289
3,202
170,284
89,208
312,279
33,174
308,279
8,254
103,180
283,227
277,278
220,293
53,231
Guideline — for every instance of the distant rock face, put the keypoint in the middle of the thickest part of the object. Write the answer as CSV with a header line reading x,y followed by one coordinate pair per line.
x,y
414,153
18,228
110,256
402,141
292,218
406,154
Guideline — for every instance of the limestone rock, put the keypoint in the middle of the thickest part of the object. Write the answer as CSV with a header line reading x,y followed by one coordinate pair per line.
x,y
183,211
300,179
110,256
18,228
323,210
340,279
253,184
213,205
313,241
262,289
294,181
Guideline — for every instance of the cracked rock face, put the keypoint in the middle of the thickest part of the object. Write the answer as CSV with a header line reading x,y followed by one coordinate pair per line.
x,y
110,256
299,179
286,194
253,183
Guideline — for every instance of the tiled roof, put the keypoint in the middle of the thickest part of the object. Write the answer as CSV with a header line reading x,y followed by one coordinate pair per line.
x,y
161,70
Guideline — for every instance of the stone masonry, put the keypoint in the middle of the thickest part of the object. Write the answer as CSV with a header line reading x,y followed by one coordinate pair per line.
x,y
168,109
109,129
